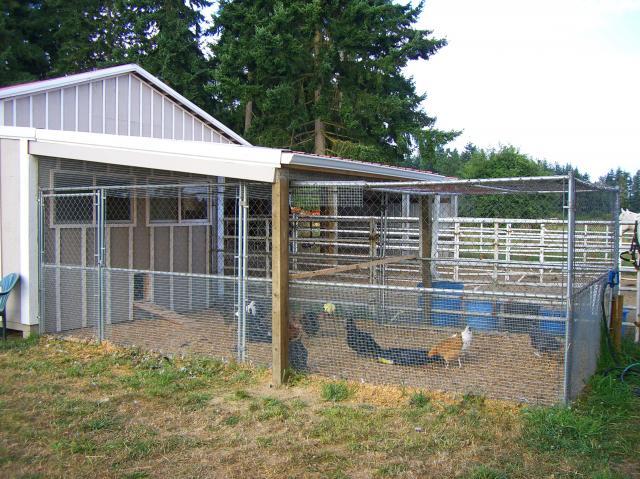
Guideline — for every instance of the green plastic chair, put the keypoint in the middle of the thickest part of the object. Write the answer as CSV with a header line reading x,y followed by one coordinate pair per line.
x,y
6,285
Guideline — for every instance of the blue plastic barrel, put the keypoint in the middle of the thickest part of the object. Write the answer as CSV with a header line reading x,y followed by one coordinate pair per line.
x,y
481,323
550,326
445,302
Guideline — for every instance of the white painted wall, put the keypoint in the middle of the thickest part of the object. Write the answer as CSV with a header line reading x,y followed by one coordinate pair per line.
x,y
18,227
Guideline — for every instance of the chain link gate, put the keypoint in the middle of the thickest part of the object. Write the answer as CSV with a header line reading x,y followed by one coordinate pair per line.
x,y
71,246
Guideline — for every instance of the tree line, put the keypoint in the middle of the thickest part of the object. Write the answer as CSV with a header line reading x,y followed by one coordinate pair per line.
x,y
321,76
509,161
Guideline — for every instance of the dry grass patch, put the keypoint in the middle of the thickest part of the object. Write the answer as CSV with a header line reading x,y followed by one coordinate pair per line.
x,y
74,409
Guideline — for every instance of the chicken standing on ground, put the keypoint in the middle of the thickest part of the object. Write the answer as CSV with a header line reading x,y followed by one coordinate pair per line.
x,y
298,354
451,349
258,325
543,342
360,341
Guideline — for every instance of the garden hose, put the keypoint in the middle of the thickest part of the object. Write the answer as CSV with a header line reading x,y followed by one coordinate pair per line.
x,y
633,368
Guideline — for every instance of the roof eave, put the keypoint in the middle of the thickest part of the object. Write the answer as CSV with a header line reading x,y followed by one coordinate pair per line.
x,y
370,169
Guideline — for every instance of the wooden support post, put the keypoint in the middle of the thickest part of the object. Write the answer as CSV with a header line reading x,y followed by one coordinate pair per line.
x,y
280,277
331,227
426,232
351,267
615,327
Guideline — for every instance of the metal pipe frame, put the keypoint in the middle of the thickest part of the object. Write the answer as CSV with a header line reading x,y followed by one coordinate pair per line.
x,y
458,182
414,289
41,303
100,252
571,220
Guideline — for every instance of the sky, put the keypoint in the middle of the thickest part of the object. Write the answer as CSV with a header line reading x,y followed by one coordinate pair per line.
x,y
558,79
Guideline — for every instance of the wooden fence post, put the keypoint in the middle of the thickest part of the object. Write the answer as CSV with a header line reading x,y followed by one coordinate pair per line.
x,y
280,277
615,328
426,233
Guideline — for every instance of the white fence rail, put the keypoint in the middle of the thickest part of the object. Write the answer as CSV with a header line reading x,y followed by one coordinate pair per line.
x,y
493,240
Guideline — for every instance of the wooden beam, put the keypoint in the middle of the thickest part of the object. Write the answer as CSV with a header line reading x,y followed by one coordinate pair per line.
x,y
351,267
162,313
280,277
426,237
615,328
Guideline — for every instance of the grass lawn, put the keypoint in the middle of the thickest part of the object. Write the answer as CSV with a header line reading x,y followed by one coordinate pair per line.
x,y
69,409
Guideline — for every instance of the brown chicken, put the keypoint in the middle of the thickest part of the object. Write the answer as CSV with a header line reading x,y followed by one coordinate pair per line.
x,y
451,349
295,328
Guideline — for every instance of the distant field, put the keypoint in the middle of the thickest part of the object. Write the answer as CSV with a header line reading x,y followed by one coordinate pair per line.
x,y
69,409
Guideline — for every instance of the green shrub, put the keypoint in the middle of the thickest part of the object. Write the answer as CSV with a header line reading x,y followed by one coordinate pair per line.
x,y
419,400
336,391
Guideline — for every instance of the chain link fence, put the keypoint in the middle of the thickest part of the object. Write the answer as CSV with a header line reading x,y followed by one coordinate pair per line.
x,y
176,268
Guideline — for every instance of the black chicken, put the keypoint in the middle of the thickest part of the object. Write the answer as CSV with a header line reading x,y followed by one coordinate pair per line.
x,y
361,342
310,323
407,357
543,342
298,355
258,326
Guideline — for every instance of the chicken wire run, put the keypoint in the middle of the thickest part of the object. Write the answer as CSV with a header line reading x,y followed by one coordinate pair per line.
x,y
384,274
380,275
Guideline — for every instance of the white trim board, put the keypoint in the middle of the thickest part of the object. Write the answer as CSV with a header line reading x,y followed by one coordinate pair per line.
x,y
213,159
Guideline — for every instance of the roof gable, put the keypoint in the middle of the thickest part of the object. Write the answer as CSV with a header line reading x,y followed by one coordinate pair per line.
x,y
123,100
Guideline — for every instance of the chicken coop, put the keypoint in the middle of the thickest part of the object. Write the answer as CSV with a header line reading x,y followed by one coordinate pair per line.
x,y
383,275
493,287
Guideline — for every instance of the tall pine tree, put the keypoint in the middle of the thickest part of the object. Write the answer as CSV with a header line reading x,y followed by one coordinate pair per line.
x,y
324,76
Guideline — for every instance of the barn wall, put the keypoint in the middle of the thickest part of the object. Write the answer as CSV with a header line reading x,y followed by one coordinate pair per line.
x,y
9,219
136,245
121,105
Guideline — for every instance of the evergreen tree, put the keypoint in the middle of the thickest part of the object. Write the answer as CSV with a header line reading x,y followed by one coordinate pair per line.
x,y
164,36
634,193
22,56
324,76
621,179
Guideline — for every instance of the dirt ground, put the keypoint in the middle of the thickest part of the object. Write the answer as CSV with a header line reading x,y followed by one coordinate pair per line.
x,y
499,365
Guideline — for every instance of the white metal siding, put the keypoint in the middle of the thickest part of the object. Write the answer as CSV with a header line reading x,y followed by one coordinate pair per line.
x,y
124,105
54,105
83,107
39,111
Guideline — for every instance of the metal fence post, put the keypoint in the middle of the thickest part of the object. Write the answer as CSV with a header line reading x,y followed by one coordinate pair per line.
x,y
571,226
241,229
41,305
615,261
100,225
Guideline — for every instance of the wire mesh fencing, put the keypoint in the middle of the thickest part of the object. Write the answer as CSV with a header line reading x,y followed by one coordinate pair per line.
x,y
481,273
490,287
400,335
